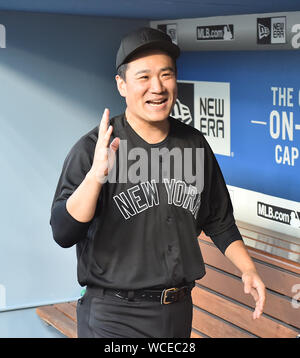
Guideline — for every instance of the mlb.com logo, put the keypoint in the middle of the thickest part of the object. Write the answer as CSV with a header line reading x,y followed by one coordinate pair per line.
x,y
281,215
206,106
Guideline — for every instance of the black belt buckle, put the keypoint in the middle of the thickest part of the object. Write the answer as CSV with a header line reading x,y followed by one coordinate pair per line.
x,y
164,295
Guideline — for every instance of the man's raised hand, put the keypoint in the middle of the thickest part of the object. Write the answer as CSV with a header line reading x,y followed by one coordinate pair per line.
x,y
104,155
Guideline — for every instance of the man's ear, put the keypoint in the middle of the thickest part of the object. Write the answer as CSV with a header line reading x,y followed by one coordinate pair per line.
x,y
121,84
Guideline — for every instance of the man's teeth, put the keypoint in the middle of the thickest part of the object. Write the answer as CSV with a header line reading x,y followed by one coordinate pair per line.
x,y
156,103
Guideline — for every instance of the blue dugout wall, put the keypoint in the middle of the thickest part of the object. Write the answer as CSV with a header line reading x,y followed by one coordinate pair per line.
x,y
265,116
239,85
56,77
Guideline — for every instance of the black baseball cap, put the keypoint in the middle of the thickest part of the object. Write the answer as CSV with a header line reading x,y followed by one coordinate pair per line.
x,y
143,39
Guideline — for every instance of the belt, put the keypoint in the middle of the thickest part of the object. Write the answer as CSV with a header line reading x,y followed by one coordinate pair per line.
x,y
165,296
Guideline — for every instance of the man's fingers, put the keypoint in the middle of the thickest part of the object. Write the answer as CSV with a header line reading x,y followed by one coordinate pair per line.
x,y
104,156
247,285
257,313
107,135
103,126
254,286
254,294
114,145
104,141
258,307
102,149
261,296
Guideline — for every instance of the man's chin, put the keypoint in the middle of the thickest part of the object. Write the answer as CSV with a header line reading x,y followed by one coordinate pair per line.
x,y
149,116
158,117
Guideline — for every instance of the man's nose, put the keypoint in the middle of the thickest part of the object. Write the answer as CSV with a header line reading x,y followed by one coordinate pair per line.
x,y
156,85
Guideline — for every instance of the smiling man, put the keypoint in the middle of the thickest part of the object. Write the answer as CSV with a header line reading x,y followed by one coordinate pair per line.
x,y
149,86
136,243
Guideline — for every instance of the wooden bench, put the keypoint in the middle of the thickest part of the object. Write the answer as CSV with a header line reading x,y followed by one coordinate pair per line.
x,y
221,309
61,316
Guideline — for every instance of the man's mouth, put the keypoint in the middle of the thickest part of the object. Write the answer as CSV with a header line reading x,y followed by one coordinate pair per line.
x,y
156,102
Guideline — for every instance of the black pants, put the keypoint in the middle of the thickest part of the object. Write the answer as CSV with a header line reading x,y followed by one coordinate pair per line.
x,y
101,315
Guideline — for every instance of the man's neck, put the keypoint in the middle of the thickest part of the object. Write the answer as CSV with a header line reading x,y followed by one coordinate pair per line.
x,y
151,132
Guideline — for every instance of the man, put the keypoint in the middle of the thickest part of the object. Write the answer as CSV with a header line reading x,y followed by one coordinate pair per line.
x,y
136,240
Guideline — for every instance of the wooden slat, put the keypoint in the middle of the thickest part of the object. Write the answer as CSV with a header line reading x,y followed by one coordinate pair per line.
x,y
265,256
67,309
271,246
277,306
270,239
241,316
274,260
216,328
195,335
257,230
282,244
277,280
74,304
59,320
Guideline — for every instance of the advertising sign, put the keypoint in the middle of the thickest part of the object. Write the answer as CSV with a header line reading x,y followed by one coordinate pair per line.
x,y
206,106
248,108
271,30
215,32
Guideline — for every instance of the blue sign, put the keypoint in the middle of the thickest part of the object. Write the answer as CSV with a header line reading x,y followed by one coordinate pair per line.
x,y
264,116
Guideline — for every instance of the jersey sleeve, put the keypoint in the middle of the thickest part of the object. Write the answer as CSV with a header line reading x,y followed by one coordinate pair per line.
x,y
215,216
66,230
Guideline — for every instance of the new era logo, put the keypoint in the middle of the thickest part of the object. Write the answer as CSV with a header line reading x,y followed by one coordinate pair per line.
x,y
271,30
263,31
206,106
184,106
182,112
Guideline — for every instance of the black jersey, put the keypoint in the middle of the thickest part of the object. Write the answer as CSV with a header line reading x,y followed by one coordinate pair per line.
x,y
144,233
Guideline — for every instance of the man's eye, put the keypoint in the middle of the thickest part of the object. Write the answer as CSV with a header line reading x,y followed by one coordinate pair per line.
x,y
143,77
167,74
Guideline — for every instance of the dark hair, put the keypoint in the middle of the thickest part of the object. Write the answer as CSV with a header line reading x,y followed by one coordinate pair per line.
x,y
122,71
